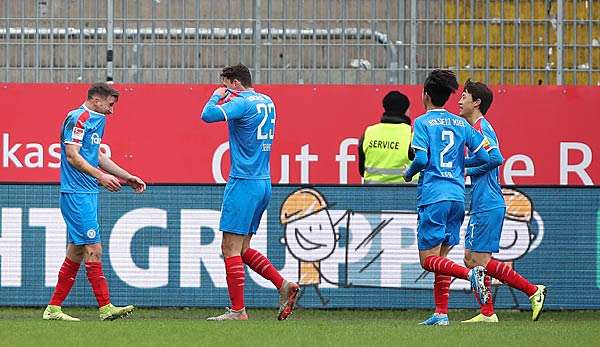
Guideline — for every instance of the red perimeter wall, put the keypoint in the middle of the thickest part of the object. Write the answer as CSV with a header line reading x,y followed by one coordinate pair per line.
x,y
548,135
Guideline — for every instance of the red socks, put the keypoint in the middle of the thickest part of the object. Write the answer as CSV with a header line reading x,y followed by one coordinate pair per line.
x,y
441,293
487,309
234,267
510,277
66,279
262,266
98,282
444,266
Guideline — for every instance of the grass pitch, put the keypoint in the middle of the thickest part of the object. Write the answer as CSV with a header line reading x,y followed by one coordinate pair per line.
x,y
187,327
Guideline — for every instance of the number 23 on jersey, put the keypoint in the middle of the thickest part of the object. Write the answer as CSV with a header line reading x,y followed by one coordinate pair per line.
x,y
266,128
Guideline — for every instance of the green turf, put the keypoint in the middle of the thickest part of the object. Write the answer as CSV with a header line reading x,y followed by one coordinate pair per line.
x,y
178,327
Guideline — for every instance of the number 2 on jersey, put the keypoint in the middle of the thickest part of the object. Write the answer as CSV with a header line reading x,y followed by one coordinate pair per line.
x,y
450,135
266,111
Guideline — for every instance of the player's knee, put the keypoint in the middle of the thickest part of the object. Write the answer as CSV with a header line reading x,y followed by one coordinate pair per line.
x,y
94,256
93,253
75,253
422,260
469,263
245,247
228,250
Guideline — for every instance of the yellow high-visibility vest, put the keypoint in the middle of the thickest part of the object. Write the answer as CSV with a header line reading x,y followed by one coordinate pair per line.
x,y
386,153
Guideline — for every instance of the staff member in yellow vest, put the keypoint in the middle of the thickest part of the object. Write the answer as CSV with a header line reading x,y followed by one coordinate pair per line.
x,y
384,151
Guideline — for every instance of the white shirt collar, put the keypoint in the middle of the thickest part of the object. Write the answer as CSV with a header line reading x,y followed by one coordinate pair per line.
x,y
437,110
90,111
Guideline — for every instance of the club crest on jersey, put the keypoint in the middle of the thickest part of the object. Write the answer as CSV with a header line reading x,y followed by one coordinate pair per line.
x,y
96,139
77,133
91,233
486,143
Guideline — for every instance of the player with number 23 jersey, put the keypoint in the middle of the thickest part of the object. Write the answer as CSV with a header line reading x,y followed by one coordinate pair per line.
x,y
250,120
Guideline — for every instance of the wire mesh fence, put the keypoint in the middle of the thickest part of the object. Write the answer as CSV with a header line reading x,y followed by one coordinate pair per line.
x,y
300,41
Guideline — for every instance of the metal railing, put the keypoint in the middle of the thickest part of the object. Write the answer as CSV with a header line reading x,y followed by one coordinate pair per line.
x,y
310,41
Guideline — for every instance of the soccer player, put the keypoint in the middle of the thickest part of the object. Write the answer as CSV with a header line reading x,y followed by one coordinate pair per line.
x,y
250,119
439,140
80,175
488,208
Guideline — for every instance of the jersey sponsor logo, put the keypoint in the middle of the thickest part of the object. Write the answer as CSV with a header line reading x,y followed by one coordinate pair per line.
x,y
77,133
91,233
96,139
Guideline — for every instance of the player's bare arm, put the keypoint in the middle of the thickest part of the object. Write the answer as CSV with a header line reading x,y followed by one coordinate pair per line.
x,y
112,168
108,181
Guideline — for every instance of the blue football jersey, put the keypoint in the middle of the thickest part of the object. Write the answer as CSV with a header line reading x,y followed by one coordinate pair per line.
x,y
486,193
443,136
85,128
251,122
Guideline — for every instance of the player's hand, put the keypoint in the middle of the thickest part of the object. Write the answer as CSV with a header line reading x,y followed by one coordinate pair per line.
x,y
109,182
407,178
137,184
221,91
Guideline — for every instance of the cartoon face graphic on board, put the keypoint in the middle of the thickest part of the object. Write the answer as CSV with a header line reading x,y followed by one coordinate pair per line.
x,y
309,234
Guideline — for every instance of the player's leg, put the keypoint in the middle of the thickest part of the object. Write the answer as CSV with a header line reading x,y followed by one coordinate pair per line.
x,y
481,239
66,279
431,236
487,314
441,295
88,237
67,274
440,316
439,224
261,264
231,247
68,271
505,273
251,257
441,286
95,275
235,223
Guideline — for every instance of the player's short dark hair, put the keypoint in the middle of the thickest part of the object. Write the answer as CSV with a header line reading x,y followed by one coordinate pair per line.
x,y
480,91
103,90
395,102
439,85
238,72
